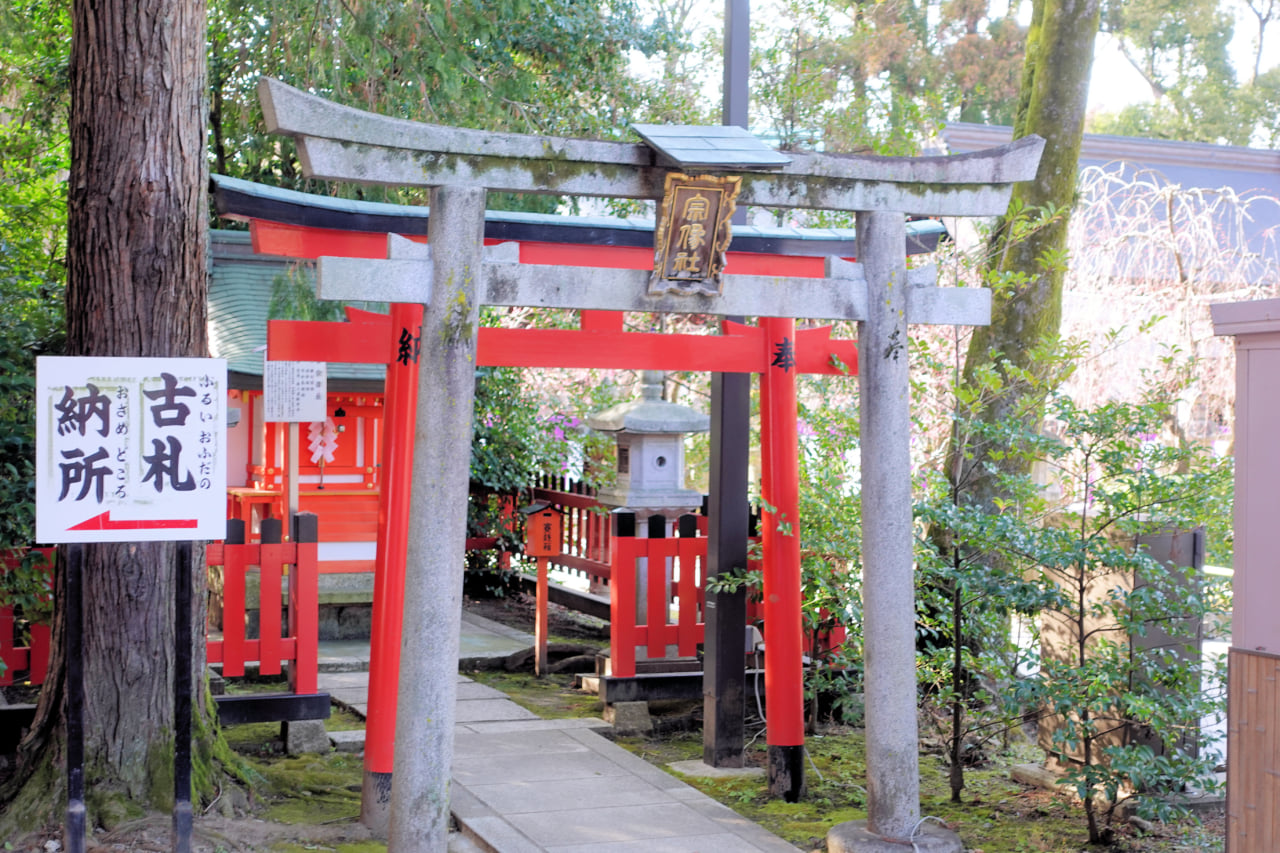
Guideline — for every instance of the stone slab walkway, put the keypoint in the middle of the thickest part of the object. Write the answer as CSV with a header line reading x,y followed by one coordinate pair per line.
x,y
522,783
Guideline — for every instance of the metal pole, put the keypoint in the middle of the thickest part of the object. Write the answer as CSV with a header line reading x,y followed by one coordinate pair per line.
x,y
74,626
182,702
724,676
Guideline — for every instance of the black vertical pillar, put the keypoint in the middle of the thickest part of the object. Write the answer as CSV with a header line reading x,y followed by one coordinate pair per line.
x,y
182,701
724,669
74,640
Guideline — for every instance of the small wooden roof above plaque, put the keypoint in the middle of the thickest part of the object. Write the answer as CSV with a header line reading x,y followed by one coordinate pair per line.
x,y
713,147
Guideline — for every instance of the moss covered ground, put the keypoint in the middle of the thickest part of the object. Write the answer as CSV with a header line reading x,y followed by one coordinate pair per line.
x,y
995,815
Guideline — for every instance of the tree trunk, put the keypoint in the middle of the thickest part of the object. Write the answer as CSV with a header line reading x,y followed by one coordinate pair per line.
x,y
136,287
1052,101
1052,104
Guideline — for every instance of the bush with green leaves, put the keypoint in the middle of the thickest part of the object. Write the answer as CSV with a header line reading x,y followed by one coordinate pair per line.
x,y
34,153
1124,710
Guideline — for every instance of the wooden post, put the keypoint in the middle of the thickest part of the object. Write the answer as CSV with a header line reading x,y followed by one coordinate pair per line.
x,y
783,628
540,623
389,566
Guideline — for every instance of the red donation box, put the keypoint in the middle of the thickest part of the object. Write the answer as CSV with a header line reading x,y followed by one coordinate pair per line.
x,y
542,532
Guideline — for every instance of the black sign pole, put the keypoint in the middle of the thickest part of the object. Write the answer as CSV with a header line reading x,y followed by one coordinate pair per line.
x,y
182,702
724,667
74,628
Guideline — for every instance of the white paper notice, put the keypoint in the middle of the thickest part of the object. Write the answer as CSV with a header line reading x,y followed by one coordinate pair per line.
x,y
294,391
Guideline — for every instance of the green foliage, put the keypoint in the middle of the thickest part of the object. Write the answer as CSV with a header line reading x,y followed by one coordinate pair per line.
x,y
1181,49
293,297
562,70
831,545
1111,699
855,77
33,160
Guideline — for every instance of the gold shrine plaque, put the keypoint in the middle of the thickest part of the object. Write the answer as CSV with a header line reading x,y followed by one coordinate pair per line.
x,y
693,234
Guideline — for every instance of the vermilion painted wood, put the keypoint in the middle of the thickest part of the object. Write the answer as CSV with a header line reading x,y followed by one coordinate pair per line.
x,y
692,555
600,321
622,606
784,633
660,634
740,350
301,646
15,657
304,619
594,569
34,658
300,241
392,534
270,575
540,619
252,649
235,560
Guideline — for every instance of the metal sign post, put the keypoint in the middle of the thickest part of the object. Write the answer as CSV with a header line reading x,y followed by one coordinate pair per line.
x,y
74,627
129,450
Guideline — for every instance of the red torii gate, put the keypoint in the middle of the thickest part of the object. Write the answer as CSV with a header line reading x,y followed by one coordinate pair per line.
x,y
774,349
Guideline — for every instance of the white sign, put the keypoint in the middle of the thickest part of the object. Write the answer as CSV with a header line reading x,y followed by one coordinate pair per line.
x,y
130,449
294,391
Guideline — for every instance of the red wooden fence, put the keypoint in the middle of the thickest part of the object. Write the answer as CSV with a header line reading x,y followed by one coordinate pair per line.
x,y
684,559
296,641
686,556
32,661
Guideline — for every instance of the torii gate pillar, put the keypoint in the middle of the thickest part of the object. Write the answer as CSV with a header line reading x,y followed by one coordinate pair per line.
x,y
438,518
888,585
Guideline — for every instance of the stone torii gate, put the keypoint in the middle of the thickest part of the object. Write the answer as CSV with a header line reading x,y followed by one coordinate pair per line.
x,y
460,167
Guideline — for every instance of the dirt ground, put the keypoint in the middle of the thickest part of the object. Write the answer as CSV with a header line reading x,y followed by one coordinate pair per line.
x,y
211,834
517,611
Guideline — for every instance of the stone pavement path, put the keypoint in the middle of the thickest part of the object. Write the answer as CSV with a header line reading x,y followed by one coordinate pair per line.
x,y
522,783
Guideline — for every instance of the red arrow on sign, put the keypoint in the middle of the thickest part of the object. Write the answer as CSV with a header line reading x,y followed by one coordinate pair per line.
x,y
104,522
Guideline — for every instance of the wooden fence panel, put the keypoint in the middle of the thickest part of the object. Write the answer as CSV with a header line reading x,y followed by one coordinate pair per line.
x,y
32,659
661,553
299,647
1253,760
689,593
270,578
624,634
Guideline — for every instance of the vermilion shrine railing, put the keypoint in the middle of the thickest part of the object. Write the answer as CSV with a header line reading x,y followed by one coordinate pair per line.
x,y
644,595
658,594
296,641
32,660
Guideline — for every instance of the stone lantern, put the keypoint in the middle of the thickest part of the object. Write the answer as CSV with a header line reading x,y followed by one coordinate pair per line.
x,y
650,435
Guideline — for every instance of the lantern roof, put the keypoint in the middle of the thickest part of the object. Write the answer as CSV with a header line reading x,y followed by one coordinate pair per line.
x,y
650,414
